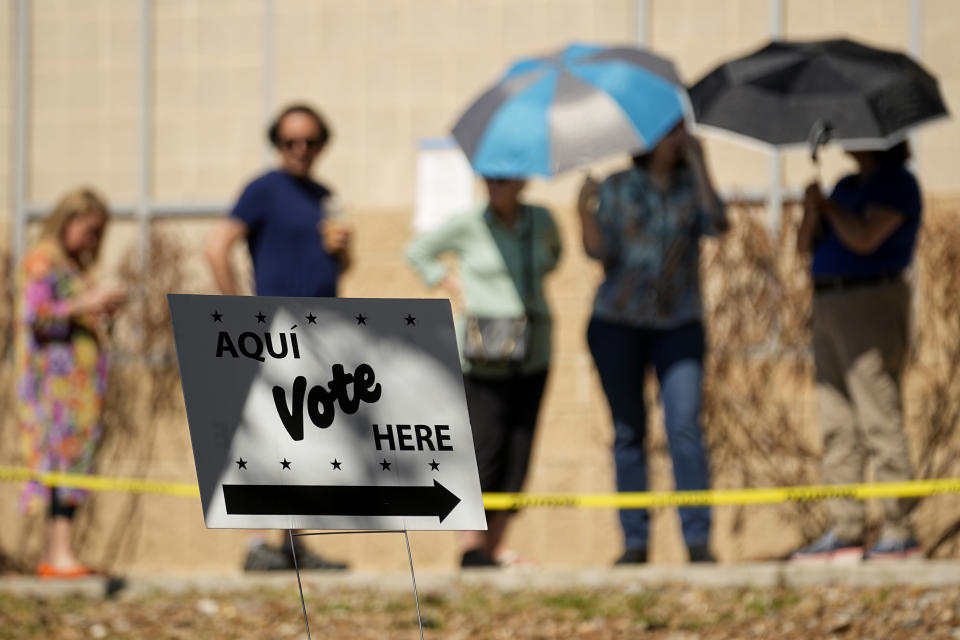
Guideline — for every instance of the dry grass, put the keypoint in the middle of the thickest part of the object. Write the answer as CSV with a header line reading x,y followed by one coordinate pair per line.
x,y
662,612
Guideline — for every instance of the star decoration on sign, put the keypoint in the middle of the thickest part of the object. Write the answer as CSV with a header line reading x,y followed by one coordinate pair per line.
x,y
335,464
285,463
434,465
241,463
311,319
385,466
217,316
361,319
410,320
261,318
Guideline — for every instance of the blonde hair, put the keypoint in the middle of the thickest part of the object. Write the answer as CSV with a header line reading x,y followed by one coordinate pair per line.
x,y
78,202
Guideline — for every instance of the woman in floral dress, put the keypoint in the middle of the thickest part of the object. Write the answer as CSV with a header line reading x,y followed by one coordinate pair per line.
x,y
61,366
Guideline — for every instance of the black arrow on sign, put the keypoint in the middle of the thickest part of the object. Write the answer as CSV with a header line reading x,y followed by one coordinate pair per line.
x,y
319,500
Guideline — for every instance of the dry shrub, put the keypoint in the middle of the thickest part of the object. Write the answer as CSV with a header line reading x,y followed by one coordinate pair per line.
x,y
758,405
7,283
144,386
8,433
933,381
936,360
757,380
759,411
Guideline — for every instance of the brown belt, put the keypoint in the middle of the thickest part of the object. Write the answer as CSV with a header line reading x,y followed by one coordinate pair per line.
x,y
839,283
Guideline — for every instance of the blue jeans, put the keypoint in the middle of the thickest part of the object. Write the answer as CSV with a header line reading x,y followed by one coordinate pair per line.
x,y
622,354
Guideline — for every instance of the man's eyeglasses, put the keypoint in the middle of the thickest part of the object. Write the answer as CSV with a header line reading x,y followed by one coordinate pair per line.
x,y
312,144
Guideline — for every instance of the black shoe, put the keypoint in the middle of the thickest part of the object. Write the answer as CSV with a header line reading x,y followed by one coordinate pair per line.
x,y
266,558
308,561
634,555
477,558
700,553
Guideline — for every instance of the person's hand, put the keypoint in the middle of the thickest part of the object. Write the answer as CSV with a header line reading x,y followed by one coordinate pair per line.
x,y
692,149
101,300
336,236
451,284
113,298
589,194
813,196
109,299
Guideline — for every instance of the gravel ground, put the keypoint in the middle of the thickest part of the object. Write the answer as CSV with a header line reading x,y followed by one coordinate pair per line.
x,y
672,612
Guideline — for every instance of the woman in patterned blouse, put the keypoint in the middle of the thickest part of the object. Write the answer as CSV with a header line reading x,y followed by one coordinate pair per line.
x,y
645,229
61,367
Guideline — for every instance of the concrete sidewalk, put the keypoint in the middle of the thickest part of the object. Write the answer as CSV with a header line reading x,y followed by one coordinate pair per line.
x,y
927,573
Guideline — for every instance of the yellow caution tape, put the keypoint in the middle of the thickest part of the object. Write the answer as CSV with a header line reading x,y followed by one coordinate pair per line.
x,y
501,501
647,500
100,483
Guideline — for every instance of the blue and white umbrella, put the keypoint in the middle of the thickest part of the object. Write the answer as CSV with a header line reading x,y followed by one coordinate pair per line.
x,y
565,110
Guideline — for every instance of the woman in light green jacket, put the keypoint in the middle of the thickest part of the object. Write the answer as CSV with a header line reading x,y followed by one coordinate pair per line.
x,y
504,249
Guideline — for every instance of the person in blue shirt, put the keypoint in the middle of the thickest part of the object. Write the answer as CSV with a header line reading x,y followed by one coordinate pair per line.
x,y
862,239
296,249
645,228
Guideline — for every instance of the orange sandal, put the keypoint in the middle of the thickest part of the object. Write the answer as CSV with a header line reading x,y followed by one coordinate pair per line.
x,y
46,570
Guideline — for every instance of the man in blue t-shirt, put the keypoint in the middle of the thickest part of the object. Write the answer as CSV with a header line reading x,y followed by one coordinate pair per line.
x,y
296,248
862,239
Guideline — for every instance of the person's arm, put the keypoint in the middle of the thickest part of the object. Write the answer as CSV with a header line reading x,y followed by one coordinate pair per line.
x,y
600,219
48,314
707,198
552,240
217,252
337,238
424,251
588,203
808,235
860,234
97,300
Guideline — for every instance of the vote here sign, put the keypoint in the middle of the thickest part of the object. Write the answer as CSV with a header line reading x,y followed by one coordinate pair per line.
x,y
327,413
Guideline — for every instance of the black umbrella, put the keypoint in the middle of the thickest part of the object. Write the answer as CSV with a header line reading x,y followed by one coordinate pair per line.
x,y
796,92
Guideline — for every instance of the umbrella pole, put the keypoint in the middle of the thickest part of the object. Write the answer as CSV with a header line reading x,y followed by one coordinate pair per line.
x,y
775,203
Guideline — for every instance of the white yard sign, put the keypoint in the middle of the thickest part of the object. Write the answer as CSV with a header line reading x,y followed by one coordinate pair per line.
x,y
323,413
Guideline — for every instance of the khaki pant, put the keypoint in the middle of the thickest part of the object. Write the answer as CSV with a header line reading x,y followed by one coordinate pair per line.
x,y
860,344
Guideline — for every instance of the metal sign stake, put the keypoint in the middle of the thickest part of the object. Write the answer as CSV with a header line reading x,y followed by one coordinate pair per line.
x,y
303,603
413,577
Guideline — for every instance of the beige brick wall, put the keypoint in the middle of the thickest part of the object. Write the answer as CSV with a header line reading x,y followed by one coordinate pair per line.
x,y
938,146
883,24
6,115
390,73
698,36
886,24
208,107
387,73
82,123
